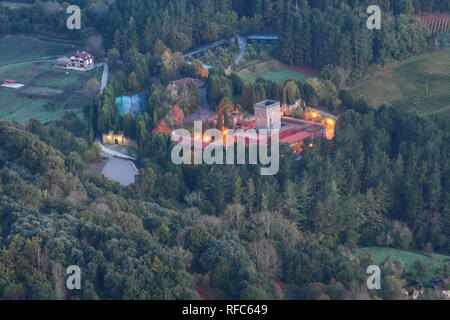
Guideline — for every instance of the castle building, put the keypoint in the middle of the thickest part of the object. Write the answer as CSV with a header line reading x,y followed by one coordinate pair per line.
x,y
290,130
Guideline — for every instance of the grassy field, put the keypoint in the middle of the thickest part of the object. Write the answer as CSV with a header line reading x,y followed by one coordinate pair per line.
x,y
21,49
58,80
15,71
41,91
421,86
48,92
407,257
273,70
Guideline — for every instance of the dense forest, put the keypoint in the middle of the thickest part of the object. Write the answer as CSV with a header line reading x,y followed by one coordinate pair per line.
x,y
205,232
319,25
383,181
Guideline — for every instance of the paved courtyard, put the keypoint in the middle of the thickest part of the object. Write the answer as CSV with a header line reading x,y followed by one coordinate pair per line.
x,y
119,170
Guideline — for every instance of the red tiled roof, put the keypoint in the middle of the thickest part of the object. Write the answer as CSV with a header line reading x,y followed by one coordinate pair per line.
x,y
10,81
83,55
290,132
297,137
293,121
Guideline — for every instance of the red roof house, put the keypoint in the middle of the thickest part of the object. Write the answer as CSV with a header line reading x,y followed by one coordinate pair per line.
x,y
82,60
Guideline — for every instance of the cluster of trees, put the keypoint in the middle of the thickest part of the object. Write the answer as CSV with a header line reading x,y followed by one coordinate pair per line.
x,y
53,214
33,17
244,94
340,38
173,22
221,57
275,12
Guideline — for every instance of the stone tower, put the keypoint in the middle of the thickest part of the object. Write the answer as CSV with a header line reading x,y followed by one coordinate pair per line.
x,y
267,115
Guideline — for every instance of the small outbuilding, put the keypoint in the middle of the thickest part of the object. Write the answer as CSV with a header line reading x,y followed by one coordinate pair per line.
x,y
12,84
118,139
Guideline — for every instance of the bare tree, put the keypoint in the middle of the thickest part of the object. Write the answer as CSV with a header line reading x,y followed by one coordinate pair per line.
x,y
265,220
211,223
265,257
194,198
234,215
285,229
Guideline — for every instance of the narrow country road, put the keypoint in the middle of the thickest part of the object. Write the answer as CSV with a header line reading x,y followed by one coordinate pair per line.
x,y
115,153
104,77
242,47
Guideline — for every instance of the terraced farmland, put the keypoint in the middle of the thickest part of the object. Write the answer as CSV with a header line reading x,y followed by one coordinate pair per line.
x,y
437,23
421,86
